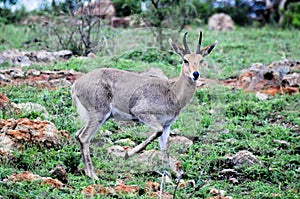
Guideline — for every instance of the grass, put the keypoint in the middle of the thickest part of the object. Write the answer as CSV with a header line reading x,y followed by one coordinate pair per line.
x,y
219,120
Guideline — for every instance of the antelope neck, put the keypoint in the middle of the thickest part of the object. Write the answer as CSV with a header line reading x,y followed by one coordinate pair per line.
x,y
184,89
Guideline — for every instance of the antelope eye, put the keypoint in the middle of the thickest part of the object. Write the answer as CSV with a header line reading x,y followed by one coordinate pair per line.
x,y
185,61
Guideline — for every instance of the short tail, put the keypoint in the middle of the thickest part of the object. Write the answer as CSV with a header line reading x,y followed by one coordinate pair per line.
x,y
81,110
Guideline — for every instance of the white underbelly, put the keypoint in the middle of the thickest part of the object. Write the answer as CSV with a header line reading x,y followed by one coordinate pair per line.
x,y
164,120
120,115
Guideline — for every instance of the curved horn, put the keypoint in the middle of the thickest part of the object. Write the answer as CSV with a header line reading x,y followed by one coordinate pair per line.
x,y
199,43
186,48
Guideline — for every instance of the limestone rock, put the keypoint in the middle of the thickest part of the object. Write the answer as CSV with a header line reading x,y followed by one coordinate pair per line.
x,y
271,79
104,9
221,22
244,157
30,107
15,133
152,160
65,54
183,142
6,144
291,79
117,151
41,79
118,22
28,176
60,173
127,142
40,56
15,57
4,102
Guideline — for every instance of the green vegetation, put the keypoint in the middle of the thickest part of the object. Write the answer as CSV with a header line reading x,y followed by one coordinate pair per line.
x,y
219,120
292,16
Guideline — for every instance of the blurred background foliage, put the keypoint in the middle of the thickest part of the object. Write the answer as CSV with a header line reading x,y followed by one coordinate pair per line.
x,y
63,28
243,12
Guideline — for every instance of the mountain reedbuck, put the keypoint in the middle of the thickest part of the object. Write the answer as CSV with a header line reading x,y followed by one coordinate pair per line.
x,y
110,93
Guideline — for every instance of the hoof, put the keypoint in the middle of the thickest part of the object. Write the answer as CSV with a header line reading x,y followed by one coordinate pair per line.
x,y
126,156
96,178
92,176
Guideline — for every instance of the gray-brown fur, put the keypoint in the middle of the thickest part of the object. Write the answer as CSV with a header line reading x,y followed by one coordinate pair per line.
x,y
111,93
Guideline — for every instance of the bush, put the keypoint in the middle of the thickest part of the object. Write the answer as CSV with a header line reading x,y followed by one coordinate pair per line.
x,y
204,9
239,12
151,55
9,17
126,8
79,34
292,15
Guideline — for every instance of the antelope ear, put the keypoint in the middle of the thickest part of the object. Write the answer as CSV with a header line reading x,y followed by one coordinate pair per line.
x,y
207,50
177,48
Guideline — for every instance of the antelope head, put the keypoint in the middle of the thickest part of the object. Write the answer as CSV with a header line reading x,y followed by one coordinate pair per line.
x,y
191,61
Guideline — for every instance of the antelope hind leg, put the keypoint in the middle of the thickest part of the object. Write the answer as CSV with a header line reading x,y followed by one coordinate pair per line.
x,y
143,145
84,136
151,121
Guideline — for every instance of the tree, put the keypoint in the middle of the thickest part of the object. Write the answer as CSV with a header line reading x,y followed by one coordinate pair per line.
x,y
160,14
11,2
7,16
79,29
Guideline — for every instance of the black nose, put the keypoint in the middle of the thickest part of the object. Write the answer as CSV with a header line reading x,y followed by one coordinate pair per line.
x,y
196,75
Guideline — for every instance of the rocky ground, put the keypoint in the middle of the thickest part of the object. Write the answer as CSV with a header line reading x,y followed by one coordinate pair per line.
x,y
279,77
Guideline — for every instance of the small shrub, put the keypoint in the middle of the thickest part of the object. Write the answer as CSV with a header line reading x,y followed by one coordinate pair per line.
x,y
126,8
80,32
151,55
292,16
4,65
9,17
